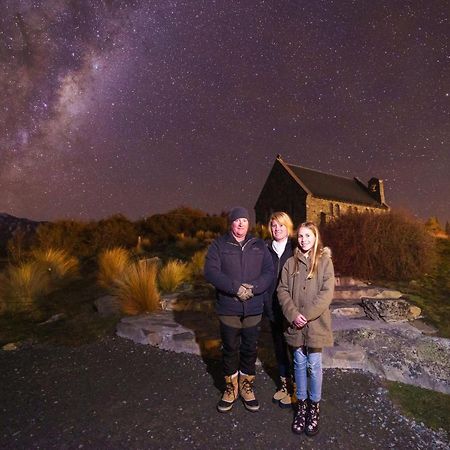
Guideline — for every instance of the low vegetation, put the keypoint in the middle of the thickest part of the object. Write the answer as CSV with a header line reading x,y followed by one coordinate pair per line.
x,y
21,287
111,265
137,288
423,405
172,275
389,246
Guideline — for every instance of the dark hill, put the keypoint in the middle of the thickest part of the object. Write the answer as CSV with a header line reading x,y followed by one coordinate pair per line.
x,y
9,225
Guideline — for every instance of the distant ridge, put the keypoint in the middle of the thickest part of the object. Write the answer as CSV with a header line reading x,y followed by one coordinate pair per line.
x,y
10,224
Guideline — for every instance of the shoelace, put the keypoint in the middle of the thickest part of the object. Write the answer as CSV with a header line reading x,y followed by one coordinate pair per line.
x,y
229,388
247,386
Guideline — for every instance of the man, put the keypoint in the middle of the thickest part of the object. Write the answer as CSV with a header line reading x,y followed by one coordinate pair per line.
x,y
240,268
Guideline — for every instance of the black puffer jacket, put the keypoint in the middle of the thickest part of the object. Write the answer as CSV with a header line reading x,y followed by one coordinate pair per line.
x,y
228,265
272,308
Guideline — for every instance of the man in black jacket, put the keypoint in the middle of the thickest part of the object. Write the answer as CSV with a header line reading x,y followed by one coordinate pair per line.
x,y
240,268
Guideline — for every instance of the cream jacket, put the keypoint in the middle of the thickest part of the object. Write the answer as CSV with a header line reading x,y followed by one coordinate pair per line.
x,y
310,297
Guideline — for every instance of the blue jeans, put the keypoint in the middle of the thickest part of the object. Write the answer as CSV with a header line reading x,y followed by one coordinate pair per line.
x,y
308,363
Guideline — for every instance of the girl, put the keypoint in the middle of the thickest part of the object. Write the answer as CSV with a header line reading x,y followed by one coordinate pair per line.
x,y
305,292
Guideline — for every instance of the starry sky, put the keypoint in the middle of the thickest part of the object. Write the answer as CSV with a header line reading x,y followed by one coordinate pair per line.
x,y
138,107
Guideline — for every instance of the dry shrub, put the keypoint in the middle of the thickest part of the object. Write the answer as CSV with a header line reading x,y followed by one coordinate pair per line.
x,y
172,275
137,289
389,246
112,264
57,263
197,263
22,286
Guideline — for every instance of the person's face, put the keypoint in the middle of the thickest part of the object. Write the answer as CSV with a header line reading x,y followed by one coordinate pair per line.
x,y
239,228
279,231
306,239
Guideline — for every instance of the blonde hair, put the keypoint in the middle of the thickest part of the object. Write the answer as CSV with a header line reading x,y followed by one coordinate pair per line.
x,y
283,219
315,252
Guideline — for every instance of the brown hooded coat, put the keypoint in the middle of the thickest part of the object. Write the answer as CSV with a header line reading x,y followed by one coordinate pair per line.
x,y
310,297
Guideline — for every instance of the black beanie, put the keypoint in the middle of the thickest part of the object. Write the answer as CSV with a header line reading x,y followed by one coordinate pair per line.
x,y
238,212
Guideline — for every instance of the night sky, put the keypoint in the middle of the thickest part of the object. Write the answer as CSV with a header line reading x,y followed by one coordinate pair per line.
x,y
138,107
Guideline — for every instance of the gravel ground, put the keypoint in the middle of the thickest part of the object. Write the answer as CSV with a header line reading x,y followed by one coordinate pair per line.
x,y
115,394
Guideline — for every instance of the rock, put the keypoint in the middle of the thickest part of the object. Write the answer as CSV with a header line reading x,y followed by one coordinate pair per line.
x,y
108,305
414,312
348,281
353,311
10,347
389,294
54,318
389,309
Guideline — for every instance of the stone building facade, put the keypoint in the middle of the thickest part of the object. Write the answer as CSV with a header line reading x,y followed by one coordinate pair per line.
x,y
310,195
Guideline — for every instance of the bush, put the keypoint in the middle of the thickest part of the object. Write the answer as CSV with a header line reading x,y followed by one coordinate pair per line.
x,y
112,264
172,275
387,246
137,289
68,235
58,264
22,285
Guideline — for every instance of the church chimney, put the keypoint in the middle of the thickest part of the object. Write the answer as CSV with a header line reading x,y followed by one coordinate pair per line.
x,y
376,190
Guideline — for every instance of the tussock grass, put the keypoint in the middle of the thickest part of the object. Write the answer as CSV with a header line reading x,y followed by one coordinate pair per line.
x,y
137,288
197,263
112,264
22,285
57,263
172,275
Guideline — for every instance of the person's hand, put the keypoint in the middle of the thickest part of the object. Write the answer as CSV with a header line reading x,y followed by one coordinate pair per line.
x,y
300,321
245,292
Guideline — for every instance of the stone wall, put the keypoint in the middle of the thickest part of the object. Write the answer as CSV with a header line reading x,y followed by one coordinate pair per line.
x,y
319,210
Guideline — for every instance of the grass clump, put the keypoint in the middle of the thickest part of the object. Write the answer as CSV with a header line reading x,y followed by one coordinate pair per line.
x,y
172,275
423,405
197,263
112,264
21,287
137,288
57,263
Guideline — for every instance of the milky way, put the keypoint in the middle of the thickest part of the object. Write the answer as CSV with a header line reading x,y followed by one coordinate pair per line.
x,y
139,107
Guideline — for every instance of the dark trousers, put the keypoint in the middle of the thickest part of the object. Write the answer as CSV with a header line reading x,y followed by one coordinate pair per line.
x,y
239,348
281,348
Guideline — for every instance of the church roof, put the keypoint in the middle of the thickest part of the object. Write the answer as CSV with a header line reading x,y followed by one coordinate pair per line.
x,y
332,187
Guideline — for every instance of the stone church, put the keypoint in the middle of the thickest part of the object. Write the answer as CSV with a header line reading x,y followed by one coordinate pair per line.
x,y
310,195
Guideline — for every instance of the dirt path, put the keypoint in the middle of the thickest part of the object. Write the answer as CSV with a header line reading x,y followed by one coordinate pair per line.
x,y
116,394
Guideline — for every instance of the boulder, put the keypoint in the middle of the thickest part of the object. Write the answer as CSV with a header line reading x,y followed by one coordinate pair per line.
x,y
389,309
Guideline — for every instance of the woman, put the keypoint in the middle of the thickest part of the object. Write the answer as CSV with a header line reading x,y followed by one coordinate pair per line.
x,y
305,292
281,249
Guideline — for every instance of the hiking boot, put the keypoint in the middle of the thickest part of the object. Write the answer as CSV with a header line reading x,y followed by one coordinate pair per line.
x,y
282,391
290,400
299,423
230,394
312,419
246,392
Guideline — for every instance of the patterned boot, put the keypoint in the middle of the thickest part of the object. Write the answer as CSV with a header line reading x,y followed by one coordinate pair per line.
x,y
299,423
230,394
312,419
